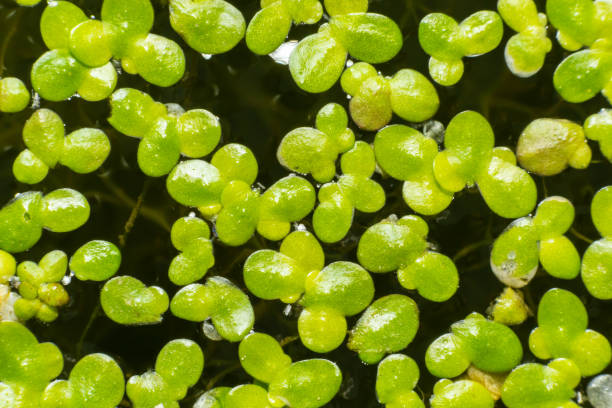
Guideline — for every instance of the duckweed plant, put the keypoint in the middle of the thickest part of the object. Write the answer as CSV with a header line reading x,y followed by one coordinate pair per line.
x,y
304,238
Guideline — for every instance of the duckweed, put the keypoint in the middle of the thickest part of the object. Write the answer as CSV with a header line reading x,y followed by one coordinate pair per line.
x,y
40,287
447,42
596,267
82,151
14,96
528,242
317,62
373,146
488,345
562,333
375,98
401,245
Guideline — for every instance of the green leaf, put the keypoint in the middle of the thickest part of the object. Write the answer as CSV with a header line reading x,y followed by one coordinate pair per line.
x,y
306,384
43,134
262,357
433,275
89,43
532,385
156,59
396,377
246,396
29,168
56,75
85,150
20,222
369,37
180,362
131,19
199,132
159,150
96,260
317,62
133,112
388,325
126,300
548,146
57,22
462,393
268,28
14,96
583,75
208,26
288,200
64,210
596,272
389,245
236,162
195,183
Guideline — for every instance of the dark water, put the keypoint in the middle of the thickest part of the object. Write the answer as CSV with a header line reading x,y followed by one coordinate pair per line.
x,y
258,103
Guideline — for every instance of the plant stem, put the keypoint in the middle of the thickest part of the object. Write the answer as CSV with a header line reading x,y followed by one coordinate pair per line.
x,y
134,214
220,376
9,35
92,317
581,236
465,251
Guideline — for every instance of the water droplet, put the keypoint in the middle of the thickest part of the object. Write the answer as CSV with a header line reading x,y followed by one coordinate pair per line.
x,y
599,391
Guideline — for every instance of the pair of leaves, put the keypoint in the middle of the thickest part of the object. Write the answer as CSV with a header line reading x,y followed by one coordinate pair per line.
x,y
548,146
317,62
528,241
190,235
470,158
338,290
313,151
406,154
535,385
400,245
585,73
485,344
23,218
221,301
165,136
179,366
396,377
375,98
447,42
562,333
526,50
354,190
304,384
82,151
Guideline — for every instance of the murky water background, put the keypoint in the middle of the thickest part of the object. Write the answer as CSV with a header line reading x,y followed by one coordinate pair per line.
x,y
258,103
